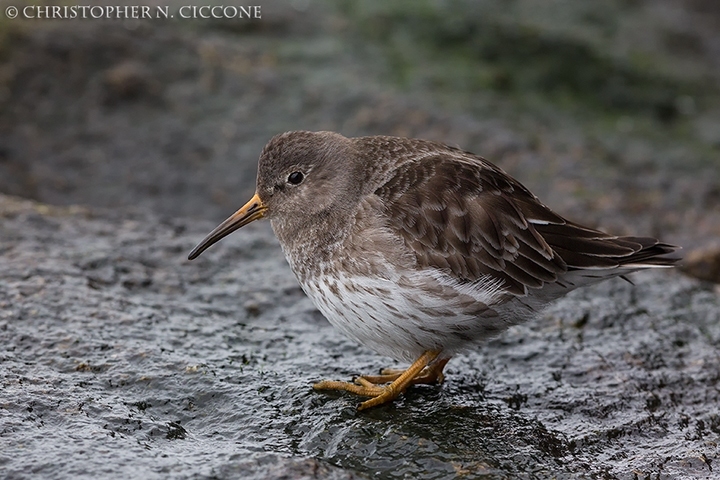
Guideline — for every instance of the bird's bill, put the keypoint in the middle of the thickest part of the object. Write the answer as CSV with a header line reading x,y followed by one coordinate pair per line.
x,y
251,211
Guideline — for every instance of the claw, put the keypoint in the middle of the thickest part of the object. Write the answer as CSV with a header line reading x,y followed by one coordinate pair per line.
x,y
421,371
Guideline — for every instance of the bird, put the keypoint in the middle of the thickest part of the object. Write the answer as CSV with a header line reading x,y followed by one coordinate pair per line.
x,y
419,250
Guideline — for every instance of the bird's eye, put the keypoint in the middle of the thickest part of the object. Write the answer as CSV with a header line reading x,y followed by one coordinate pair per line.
x,y
295,178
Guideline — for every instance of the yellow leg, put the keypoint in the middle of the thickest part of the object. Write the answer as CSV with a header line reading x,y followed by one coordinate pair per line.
x,y
384,377
429,375
365,386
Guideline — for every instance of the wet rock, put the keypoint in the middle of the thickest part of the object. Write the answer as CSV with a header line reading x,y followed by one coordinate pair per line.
x,y
207,372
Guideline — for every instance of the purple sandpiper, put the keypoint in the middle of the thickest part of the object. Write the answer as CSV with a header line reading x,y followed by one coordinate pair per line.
x,y
419,250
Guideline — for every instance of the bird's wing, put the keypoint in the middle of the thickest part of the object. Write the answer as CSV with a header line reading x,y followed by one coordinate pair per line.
x,y
464,216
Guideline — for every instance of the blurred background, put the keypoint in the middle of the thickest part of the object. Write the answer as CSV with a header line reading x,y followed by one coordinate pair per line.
x,y
608,110
119,358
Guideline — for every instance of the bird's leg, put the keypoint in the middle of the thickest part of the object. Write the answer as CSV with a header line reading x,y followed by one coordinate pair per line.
x,y
387,375
390,392
433,373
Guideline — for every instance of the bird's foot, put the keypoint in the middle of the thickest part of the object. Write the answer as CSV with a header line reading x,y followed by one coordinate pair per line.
x,y
429,375
421,371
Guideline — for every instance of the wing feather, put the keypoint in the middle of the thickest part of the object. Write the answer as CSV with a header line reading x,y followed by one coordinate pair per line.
x,y
465,219
461,214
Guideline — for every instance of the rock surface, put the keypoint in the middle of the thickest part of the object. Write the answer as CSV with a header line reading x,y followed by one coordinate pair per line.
x,y
121,358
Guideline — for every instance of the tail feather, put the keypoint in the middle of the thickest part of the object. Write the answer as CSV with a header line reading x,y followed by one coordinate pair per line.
x,y
585,249
651,256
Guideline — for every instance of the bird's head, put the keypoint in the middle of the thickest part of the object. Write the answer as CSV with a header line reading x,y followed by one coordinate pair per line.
x,y
301,176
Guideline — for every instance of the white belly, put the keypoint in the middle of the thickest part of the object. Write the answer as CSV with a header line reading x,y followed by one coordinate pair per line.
x,y
401,323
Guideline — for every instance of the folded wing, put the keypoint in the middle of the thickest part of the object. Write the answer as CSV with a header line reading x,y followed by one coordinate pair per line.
x,y
466,217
